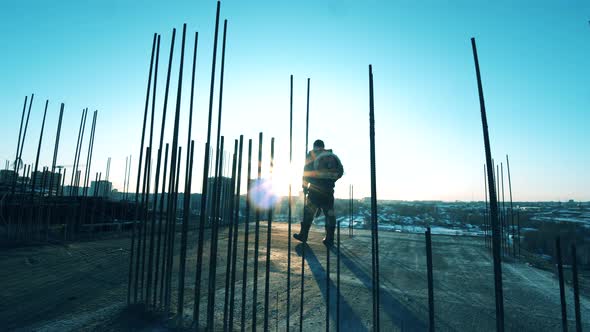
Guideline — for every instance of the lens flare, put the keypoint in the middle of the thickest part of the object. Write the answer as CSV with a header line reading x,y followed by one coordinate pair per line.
x,y
262,195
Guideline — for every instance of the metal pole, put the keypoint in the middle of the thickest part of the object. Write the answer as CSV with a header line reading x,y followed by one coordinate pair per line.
x,y
160,222
78,149
485,212
183,240
430,280
147,98
268,241
39,149
155,201
56,147
561,284
374,226
506,224
19,154
89,158
236,222
16,160
290,212
576,289
203,216
256,240
304,204
174,173
511,209
493,202
217,190
230,237
246,231
214,240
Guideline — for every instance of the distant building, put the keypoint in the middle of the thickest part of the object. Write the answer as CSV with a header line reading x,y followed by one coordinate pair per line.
x,y
6,176
46,179
100,188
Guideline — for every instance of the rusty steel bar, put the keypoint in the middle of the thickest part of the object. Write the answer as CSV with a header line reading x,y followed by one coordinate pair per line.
x,y
304,204
214,240
16,161
183,240
374,226
256,239
493,201
141,216
19,154
203,217
89,158
268,240
171,235
430,280
39,150
511,209
56,147
160,222
175,164
236,222
576,289
290,207
78,148
246,231
231,236
485,212
147,98
506,224
561,284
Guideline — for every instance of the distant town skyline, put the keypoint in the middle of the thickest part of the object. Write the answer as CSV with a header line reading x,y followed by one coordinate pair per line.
x,y
534,57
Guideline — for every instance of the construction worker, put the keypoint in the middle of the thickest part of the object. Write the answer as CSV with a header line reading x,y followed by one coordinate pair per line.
x,y
322,170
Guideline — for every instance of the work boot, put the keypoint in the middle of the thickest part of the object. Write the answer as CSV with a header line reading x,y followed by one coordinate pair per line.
x,y
329,239
302,235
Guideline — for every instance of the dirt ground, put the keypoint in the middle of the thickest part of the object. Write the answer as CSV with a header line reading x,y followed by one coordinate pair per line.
x,y
82,286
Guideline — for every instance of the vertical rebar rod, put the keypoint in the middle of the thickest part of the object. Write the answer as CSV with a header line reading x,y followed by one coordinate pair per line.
x,y
216,191
561,284
246,235
77,160
160,222
141,217
125,178
493,202
506,224
22,141
171,234
39,150
56,147
485,211
214,239
202,220
500,214
90,148
511,209
75,169
183,240
206,160
337,276
230,237
256,239
576,289
155,201
290,207
147,98
16,161
374,226
268,240
235,243
430,280
173,172
501,209
304,205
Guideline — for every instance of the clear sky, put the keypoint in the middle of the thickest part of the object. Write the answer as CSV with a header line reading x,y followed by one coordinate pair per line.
x,y
534,58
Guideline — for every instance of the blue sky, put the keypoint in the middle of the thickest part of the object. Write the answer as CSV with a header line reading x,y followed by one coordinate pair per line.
x,y
534,58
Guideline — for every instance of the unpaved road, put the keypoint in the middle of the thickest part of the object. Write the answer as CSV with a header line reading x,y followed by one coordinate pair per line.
x,y
82,286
